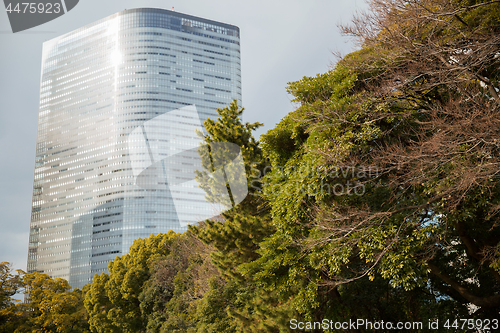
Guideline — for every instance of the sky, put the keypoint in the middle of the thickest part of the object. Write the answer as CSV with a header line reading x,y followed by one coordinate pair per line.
x,y
281,42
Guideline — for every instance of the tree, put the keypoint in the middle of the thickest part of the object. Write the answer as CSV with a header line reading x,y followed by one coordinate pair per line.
x,y
10,285
387,173
51,306
237,237
113,300
171,298
438,74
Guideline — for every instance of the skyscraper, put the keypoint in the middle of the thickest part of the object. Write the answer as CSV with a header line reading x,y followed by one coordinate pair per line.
x,y
120,100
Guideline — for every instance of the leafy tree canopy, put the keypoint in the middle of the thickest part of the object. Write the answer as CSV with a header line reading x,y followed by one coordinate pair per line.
x,y
388,169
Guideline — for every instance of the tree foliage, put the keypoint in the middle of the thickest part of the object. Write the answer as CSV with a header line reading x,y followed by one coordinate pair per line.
x,y
388,170
10,285
236,239
113,300
50,305
175,296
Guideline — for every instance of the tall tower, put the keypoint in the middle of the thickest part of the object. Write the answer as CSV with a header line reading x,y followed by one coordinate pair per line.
x,y
120,100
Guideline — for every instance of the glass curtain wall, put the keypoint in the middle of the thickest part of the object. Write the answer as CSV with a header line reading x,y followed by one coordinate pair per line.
x,y
117,97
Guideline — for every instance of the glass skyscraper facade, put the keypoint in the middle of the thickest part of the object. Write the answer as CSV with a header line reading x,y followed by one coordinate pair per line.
x,y
120,100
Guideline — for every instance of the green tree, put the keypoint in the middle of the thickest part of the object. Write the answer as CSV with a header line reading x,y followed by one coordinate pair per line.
x,y
236,239
51,306
10,285
179,282
387,173
112,300
437,76
211,311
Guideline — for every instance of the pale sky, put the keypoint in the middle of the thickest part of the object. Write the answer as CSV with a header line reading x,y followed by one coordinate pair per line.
x,y
281,41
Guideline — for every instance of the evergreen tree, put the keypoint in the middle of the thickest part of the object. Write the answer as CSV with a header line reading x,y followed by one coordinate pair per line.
x,y
236,239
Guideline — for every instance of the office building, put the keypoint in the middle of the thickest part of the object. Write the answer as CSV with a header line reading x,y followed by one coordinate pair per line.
x,y
120,100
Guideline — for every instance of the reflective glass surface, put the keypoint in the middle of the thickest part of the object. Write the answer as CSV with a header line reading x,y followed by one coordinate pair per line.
x,y
112,95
